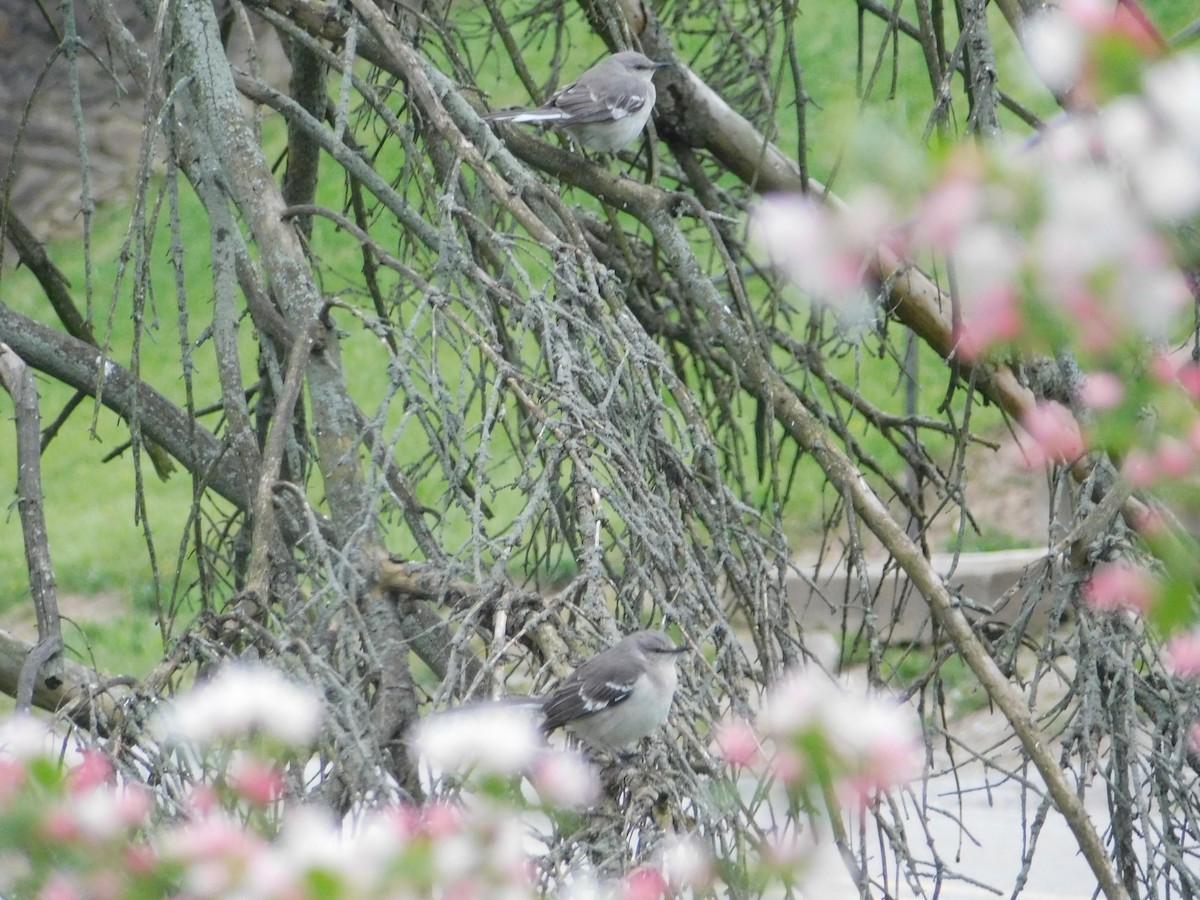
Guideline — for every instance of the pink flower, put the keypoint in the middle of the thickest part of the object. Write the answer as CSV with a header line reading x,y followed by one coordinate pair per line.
x,y
1096,334
60,826
1189,377
256,781
993,318
1055,434
1172,458
12,777
1182,655
1139,467
644,884
788,766
439,819
140,859
948,208
1162,369
202,800
1118,586
737,742
60,887
92,771
1101,390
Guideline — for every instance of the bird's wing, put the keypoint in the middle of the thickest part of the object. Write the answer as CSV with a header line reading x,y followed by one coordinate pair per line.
x,y
598,684
581,104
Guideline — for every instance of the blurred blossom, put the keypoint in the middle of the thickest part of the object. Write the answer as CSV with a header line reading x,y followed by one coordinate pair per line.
x,y
1055,434
22,737
873,743
1127,129
1167,180
787,851
1181,655
503,848
62,887
109,812
987,258
1095,333
241,700
1161,368
796,701
878,745
1087,225
1101,390
992,318
1102,17
1151,288
372,844
487,737
1172,89
1139,467
214,853
92,771
1055,46
955,202
310,840
1172,458
255,781
439,819
1093,15
686,863
645,884
1117,587
737,742
1189,376
455,856
566,779
1194,739
809,244
786,764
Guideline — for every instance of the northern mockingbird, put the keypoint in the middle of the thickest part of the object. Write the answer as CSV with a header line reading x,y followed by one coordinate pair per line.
x,y
618,696
606,108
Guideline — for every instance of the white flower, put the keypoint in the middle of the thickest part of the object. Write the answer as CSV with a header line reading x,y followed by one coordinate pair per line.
x,y
795,702
25,738
686,863
1167,179
1055,47
487,737
241,700
804,241
1127,128
566,779
1173,90
987,258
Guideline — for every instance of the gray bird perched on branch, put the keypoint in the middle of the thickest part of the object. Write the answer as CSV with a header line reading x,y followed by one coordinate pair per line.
x,y
612,701
618,696
605,109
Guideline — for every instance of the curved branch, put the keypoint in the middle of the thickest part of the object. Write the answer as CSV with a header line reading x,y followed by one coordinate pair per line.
x,y
84,368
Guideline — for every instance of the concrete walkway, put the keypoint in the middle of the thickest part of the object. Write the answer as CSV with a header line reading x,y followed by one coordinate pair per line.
x,y
978,822
988,851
